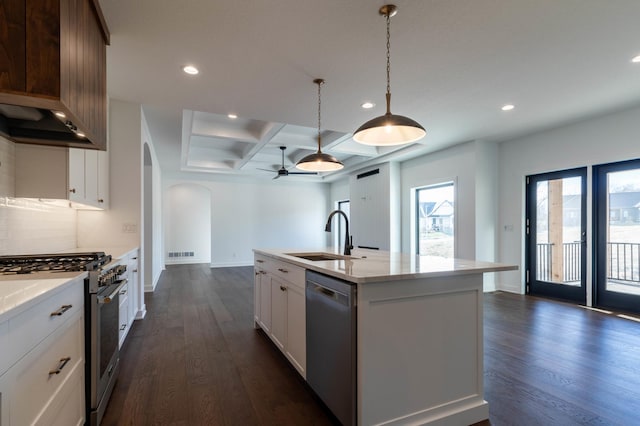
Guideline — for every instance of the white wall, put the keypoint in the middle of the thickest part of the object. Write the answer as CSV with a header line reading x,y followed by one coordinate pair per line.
x,y
605,139
106,228
338,191
188,223
152,250
251,213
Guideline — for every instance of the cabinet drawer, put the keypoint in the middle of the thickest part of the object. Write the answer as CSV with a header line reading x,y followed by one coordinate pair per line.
x,y
31,326
124,295
67,406
36,384
260,261
293,274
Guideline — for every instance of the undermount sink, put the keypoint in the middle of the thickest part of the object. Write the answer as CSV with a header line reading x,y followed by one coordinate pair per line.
x,y
319,256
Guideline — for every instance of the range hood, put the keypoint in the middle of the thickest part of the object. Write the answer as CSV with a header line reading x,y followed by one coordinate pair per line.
x,y
53,78
37,125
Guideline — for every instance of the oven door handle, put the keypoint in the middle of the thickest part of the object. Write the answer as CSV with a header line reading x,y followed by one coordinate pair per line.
x,y
107,299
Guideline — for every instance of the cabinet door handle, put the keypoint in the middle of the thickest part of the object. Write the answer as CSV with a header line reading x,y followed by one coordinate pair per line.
x,y
135,270
123,326
283,288
123,292
72,190
62,310
61,364
259,261
284,271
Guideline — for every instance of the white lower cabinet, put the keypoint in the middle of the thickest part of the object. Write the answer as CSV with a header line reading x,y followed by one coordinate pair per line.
x,y
44,383
296,349
123,312
280,307
279,312
264,307
4,399
128,295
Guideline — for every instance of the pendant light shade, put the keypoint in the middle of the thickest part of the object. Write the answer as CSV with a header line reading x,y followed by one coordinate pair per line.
x,y
389,129
319,161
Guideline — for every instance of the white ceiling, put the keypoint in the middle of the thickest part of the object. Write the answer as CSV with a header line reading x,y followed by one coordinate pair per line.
x,y
454,63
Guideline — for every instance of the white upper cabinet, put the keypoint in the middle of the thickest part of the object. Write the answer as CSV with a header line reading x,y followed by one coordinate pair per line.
x,y
77,175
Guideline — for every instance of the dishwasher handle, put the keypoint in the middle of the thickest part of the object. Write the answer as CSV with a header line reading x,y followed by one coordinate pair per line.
x,y
325,292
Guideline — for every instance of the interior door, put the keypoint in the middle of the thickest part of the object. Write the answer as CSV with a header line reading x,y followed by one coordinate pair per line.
x,y
556,235
616,189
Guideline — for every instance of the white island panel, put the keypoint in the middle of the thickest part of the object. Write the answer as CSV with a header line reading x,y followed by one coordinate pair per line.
x,y
420,351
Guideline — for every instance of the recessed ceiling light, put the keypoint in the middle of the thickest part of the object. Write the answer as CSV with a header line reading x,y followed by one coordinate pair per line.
x,y
190,69
232,116
368,105
636,59
508,107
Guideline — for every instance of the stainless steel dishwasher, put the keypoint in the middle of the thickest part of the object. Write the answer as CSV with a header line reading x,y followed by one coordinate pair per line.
x,y
331,343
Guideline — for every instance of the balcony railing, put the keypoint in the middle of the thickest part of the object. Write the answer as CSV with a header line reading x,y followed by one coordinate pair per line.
x,y
623,262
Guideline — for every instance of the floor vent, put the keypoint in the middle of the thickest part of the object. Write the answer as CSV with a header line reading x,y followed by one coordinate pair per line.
x,y
181,254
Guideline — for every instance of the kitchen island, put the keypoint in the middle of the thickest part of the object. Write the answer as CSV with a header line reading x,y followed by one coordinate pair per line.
x,y
419,349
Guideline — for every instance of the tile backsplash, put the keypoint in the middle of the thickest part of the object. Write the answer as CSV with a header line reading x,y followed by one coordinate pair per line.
x,y
30,226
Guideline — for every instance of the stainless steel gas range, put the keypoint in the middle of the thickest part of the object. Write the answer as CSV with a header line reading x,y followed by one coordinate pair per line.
x,y
101,299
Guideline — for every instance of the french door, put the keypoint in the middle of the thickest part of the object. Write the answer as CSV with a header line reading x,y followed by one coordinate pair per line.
x,y
616,194
556,235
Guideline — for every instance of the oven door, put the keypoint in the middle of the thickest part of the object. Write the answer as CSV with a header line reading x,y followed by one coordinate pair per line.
x,y
104,347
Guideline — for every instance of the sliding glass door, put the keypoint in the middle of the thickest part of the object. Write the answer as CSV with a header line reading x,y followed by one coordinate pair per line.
x,y
556,235
616,193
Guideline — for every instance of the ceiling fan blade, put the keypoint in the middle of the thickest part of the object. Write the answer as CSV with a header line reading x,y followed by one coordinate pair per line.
x,y
303,173
276,177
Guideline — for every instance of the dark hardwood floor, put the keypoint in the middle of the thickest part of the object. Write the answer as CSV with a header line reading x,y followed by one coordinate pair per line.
x,y
196,360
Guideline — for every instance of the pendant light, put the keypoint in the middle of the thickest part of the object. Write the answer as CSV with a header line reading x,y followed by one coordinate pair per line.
x,y
319,161
389,129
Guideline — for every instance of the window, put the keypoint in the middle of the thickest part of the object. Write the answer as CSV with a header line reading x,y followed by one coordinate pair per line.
x,y
435,219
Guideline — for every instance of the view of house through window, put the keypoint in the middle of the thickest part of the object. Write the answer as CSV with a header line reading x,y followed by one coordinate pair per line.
x,y
623,231
435,220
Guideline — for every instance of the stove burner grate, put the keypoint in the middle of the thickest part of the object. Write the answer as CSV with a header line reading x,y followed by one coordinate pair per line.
x,y
71,262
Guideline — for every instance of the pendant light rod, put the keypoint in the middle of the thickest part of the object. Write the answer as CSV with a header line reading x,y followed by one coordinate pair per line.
x,y
319,82
389,129
319,161
388,11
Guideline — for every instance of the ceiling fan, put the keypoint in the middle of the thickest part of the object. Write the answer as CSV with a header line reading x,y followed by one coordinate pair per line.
x,y
282,171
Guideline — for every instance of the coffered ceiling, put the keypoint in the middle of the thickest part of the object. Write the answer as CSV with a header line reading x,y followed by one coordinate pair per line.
x,y
454,64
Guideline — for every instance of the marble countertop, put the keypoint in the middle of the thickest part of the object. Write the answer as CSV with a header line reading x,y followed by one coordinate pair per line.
x,y
20,292
364,266
115,252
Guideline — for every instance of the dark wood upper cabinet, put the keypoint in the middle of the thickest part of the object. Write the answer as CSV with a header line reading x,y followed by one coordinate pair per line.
x,y
53,60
